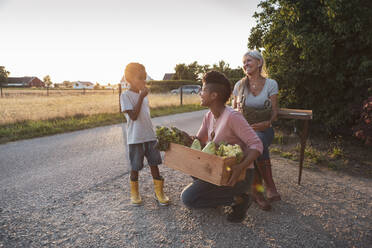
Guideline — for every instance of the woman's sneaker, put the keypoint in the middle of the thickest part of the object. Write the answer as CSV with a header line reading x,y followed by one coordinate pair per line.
x,y
240,210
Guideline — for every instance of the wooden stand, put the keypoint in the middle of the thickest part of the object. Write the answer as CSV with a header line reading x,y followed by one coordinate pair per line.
x,y
207,167
299,114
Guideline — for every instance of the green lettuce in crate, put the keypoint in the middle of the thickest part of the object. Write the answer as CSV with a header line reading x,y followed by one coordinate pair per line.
x,y
196,145
166,135
225,150
210,148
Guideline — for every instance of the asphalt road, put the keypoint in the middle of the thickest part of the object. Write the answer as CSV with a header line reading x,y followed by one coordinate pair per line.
x,y
71,190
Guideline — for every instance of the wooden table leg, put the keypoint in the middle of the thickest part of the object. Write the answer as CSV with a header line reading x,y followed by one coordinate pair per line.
x,y
303,145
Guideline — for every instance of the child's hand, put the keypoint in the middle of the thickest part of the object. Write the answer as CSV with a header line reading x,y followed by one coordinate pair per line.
x,y
144,92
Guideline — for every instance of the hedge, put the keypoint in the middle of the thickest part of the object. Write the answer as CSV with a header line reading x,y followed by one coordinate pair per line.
x,y
164,86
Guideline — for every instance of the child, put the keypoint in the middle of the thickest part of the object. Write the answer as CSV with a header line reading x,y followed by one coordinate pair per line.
x,y
222,123
141,138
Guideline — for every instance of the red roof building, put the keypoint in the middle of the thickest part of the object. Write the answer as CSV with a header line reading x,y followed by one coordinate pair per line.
x,y
24,82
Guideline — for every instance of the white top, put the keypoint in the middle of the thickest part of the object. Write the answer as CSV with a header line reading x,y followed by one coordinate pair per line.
x,y
140,130
270,88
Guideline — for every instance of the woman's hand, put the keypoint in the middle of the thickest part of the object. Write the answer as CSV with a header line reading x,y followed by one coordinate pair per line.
x,y
261,126
236,170
235,174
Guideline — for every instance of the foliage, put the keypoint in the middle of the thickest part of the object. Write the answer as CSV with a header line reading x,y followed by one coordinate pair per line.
x,y
227,150
196,145
195,72
67,84
233,74
47,81
320,52
363,129
167,135
186,72
210,148
3,75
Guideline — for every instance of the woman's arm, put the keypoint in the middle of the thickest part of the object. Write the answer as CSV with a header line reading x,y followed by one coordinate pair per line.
x,y
202,134
234,102
254,147
274,105
235,94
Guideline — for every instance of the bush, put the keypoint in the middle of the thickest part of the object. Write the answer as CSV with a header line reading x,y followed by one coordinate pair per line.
x,y
320,53
165,86
363,129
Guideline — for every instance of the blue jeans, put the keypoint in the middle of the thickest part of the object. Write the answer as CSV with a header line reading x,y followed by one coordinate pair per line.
x,y
201,194
267,137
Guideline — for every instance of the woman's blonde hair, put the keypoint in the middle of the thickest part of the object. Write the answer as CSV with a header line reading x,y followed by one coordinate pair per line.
x,y
257,55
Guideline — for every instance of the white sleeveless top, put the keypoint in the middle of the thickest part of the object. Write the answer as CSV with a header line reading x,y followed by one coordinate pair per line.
x,y
270,88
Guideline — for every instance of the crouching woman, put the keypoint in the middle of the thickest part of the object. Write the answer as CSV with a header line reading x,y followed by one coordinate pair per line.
x,y
222,123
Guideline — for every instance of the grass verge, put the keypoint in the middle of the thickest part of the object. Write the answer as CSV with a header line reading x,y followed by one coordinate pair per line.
x,y
334,153
33,129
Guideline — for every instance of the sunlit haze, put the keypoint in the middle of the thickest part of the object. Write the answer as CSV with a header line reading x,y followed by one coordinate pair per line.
x,y
91,40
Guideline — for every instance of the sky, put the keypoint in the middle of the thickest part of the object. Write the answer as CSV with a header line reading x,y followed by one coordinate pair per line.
x,y
93,40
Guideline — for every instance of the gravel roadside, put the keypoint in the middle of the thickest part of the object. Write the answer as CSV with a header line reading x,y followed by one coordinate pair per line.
x,y
51,195
327,210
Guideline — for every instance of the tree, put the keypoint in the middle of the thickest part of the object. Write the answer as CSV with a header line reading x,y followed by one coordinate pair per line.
x,y
320,53
202,70
97,86
195,72
47,81
67,84
221,66
3,75
232,74
186,72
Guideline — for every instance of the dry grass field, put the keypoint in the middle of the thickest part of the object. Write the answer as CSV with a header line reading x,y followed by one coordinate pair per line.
x,y
31,107
21,92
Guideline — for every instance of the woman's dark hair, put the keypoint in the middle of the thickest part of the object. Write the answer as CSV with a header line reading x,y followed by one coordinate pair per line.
x,y
133,69
219,84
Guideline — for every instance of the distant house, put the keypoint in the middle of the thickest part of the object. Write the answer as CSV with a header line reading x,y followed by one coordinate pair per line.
x,y
124,83
168,76
24,82
82,85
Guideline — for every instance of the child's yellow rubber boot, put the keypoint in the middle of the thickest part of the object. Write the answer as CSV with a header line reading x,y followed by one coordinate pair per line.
x,y
159,193
135,198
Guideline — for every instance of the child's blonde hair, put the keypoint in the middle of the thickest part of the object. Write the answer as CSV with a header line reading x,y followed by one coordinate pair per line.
x,y
133,69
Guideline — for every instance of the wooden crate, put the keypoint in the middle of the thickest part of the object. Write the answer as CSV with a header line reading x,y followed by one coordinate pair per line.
x,y
207,167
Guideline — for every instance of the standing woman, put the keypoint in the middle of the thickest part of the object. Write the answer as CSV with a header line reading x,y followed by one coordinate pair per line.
x,y
257,92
